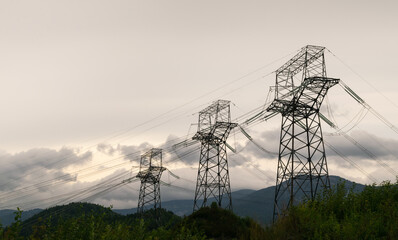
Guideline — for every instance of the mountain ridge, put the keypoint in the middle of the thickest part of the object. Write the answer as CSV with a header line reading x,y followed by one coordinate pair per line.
x,y
257,204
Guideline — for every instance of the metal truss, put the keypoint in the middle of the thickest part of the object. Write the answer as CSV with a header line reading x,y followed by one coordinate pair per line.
x,y
302,166
150,173
214,127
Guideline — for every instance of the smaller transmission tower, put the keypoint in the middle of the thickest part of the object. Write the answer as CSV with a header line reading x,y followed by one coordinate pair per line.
x,y
150,172
214,127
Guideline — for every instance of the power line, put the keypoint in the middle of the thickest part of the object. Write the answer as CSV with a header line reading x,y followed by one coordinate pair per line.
x,y
367,106
357,144
363,79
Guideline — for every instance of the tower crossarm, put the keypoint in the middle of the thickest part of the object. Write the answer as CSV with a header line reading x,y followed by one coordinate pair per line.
x,y
151,174
314,90
307,98
296,64
218,133
218,111
310,61
215,107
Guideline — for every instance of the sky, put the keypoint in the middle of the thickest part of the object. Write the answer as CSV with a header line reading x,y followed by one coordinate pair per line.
x,y
88,86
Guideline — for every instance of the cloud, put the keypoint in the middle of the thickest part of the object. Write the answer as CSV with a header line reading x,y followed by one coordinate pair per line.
x,y
133,152
364,146
106,149
117,177
249,168
262,148
28,166
188,155
129,152
37,174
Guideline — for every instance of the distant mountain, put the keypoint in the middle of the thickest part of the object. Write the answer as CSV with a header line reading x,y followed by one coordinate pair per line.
x,y
258,204
7,215
60,214
178,207
185,207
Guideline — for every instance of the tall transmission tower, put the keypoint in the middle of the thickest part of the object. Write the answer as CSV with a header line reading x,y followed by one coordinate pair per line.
x,y
150,172
214,126
302,167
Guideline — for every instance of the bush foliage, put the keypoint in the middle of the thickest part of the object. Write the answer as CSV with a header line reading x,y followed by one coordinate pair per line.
x,y
341,213
337,213
90,221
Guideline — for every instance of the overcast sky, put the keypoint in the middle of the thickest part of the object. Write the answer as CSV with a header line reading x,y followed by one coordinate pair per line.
x,y
86,82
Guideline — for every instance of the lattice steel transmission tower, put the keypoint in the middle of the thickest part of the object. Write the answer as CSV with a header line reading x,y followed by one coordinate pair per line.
x,y
214,127
150,172
302,167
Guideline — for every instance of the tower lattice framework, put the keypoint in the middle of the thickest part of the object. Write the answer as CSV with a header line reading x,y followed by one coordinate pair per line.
x,y
213,181
302,167
150,173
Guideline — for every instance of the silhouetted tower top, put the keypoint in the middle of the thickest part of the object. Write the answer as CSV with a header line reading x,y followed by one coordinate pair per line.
x,y
214,126
150,173
218,111
151,160
309,60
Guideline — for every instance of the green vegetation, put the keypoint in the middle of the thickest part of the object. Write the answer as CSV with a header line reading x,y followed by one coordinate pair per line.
x,y
90,221
339,213
218,223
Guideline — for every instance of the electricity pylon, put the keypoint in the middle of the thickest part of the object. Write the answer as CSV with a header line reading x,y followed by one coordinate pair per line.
x,y
302,167
214,126
150,172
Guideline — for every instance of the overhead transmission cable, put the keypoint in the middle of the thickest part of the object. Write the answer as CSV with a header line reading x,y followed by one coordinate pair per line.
x,y
250,138
23,192
363,79
357,144
122,132
108,187
367,106
67,177
67,197
161,115
353,163
95,188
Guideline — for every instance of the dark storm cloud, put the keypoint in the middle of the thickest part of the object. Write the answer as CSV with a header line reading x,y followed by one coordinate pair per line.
x,y
25,168
106,149
173,140
46,158
122,194
181,150
363,146
178,191
129,152
263,146
244,152
186,154
174,150
366,149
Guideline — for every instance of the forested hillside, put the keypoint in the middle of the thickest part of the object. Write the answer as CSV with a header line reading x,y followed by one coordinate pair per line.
x,y
338,213
343,213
